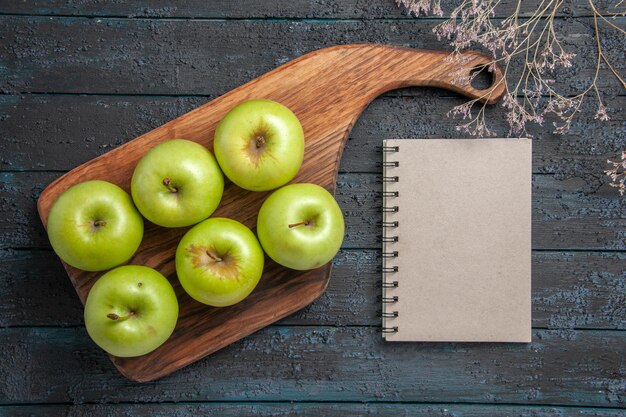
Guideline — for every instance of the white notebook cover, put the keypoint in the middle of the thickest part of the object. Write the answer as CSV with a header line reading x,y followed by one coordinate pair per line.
x,y
463,240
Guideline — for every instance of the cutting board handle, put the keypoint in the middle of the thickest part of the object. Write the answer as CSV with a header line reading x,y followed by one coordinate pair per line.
x,y
443,69
362,72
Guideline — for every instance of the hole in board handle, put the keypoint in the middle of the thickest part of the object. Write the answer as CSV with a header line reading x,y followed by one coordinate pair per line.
x,y
481,78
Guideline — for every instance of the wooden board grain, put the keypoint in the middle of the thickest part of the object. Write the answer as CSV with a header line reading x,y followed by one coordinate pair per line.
x,y
571,291
211,57
565,214
245,9
62,139
277,409
327,89
321,363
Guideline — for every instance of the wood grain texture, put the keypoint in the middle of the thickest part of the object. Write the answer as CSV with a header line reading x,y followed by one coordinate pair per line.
x,y
565,214
327,89
211,57
571,290
251,409
63,139
321,364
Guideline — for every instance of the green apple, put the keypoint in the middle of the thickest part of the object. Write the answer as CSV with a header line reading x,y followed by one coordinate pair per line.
x,y
177,183
259,145
300,226
94,226
131,310
219,262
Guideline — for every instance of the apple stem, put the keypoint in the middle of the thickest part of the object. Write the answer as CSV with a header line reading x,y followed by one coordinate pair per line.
x,y
168,183
260,141
215,258
305,223
99,223
117,317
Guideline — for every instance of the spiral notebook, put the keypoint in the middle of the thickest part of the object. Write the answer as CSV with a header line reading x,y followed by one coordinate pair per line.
x,y
457,240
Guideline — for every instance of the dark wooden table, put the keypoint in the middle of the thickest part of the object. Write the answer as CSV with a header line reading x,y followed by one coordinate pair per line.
x,y
80,78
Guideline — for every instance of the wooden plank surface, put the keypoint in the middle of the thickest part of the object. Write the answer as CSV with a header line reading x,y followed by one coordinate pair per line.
x,y
279,409
122,76
211,57
565,216
71,130
321,363
571,290
242,9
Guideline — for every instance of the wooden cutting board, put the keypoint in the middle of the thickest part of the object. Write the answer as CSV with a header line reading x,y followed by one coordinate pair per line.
x,y
327,89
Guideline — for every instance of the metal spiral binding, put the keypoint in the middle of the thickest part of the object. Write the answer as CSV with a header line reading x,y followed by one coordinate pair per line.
x,y
387,164
390,148
389,240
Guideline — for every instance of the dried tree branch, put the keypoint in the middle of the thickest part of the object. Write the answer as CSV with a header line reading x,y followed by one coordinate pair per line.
x,y
532,44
